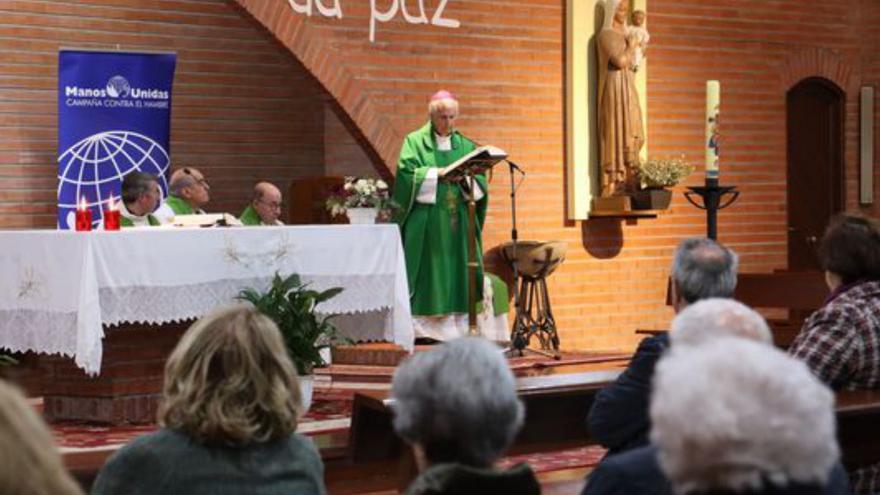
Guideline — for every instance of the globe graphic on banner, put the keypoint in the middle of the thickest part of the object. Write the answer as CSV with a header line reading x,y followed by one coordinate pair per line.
x,y
91,171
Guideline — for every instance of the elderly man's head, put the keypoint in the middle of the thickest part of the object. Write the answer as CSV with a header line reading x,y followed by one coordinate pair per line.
x,y
267,202
713,318
702,268
734,414
140,193
443,109
457,403
190,185
850,250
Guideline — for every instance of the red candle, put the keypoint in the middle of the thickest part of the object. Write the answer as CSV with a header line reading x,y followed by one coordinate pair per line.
x,y
111,217
83,217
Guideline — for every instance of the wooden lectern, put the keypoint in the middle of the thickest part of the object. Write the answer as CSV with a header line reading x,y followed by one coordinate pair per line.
x,y
463,171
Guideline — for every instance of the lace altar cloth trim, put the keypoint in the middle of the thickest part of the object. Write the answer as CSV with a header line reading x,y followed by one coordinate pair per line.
x,y
41,331
156,305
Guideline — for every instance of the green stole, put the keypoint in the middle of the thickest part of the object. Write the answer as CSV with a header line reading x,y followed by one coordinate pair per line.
x,y
435,236
126,222
179,206
250,216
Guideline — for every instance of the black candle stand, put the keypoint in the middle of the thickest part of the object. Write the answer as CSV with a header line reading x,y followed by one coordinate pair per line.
x,y
712,195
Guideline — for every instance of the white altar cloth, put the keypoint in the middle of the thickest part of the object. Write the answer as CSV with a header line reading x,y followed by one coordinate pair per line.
x,y
60,287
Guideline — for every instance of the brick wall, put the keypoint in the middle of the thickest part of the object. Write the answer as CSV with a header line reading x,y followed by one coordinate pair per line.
x,y
506,65
244,109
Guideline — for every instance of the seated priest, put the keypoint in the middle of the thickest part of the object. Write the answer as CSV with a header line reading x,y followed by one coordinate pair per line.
x,y
189,192
140,197
265,208
433,219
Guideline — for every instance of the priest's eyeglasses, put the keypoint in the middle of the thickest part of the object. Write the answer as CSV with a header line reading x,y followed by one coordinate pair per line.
x,y
199,180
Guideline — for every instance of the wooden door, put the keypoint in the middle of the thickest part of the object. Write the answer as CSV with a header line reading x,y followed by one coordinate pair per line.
x,y
815,109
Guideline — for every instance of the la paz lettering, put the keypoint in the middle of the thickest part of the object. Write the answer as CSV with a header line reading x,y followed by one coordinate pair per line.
x,y
377,15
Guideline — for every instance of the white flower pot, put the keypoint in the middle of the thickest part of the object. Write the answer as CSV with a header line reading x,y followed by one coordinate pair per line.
x,y
306,387
362,215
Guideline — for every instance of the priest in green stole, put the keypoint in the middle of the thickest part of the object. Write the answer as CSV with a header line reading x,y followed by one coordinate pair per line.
x,y
188,193
140,197
433,218
265,208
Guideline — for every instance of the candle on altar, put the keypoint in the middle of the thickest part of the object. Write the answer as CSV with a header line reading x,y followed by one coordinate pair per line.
x,y
111,215
83,216
713,131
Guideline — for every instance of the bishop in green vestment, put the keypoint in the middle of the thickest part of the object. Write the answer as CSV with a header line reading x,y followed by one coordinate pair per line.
x,y
433,214
189,192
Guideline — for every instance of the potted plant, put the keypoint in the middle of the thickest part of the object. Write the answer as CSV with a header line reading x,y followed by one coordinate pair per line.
x,y
655,175
361,199
291,305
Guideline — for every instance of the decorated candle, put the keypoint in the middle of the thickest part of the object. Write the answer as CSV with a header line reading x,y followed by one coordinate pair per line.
x,y
713,136
83,216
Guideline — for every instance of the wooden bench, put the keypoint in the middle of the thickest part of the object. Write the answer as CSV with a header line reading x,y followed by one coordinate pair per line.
x,y
793,294
556,411
797,294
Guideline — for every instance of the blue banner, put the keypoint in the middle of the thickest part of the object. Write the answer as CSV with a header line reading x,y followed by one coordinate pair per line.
x,y
114,116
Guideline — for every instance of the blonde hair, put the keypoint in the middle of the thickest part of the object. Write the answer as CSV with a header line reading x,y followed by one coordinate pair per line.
x,y
29,459
229,381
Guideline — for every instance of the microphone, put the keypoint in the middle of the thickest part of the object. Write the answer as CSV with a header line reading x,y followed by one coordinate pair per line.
x,y
514,166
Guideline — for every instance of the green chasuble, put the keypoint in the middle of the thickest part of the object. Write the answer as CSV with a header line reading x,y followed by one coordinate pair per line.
x,y
435,235
250,216
179,206
126,222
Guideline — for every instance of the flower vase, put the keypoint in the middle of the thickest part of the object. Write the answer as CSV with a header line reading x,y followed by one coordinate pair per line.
x,y
361,215
651,199
306,389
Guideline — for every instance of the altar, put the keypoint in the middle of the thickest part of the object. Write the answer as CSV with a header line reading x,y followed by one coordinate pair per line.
x,y
63,290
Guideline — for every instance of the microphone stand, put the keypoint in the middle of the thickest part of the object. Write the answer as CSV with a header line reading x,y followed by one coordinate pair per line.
x,y
522,331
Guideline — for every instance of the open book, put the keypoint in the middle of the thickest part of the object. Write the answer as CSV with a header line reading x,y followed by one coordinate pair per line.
x,y
477,161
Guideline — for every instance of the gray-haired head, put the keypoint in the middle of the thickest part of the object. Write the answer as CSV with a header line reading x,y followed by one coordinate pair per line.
x,y
734,414
703,268
136,184
712,318
458,402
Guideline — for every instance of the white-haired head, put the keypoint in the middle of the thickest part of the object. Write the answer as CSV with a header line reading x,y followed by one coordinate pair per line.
x,y
709,319
734,414
457,402
442,100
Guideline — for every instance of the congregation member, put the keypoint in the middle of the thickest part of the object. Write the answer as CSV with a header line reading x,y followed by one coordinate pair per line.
x,y
29,460
140,197
731,416
618,419
840,342
433,219
265,207
189,192
228,418
456,406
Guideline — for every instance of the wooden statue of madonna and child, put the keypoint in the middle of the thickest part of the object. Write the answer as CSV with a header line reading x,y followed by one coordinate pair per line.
x,y
621,48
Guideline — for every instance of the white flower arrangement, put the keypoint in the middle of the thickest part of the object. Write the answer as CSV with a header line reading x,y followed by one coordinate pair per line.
x,y
663,172
359,193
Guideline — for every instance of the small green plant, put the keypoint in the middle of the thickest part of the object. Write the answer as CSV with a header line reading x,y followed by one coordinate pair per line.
x,y
663,172
291,305
7,360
